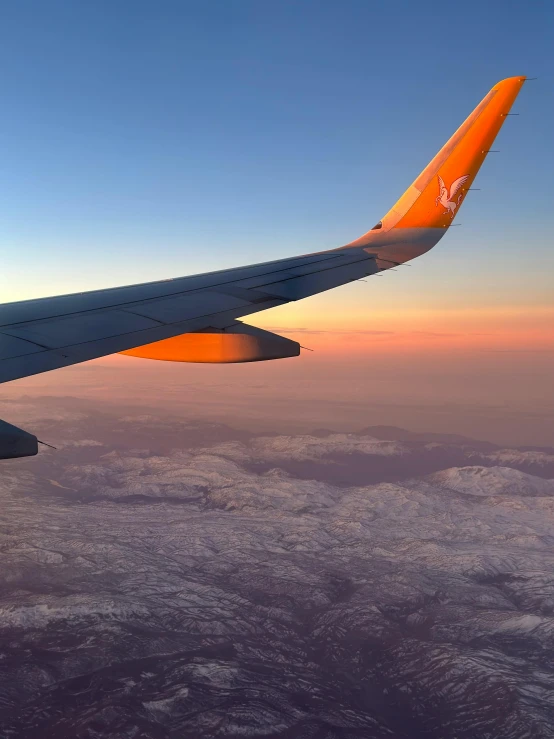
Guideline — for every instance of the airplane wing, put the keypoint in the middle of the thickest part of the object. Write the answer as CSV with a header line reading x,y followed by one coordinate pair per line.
x,y
49,333
45,334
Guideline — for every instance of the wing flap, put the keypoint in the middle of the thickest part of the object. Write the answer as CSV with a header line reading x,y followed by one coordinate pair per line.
x,y
338,260
10,346
192,305
62,332
297,288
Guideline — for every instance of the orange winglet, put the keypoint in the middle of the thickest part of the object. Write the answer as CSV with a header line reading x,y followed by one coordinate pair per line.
x,y
436,195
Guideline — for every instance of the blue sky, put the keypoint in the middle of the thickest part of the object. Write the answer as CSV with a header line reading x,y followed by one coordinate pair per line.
x,y
143,140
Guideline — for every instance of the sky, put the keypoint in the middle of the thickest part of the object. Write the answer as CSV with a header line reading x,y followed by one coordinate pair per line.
x,y
146,140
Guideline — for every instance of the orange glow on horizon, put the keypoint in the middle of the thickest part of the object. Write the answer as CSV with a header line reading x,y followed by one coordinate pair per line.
x,y
418,332
501,329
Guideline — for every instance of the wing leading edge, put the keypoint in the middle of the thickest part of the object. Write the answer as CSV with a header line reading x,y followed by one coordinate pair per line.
x,y
41,335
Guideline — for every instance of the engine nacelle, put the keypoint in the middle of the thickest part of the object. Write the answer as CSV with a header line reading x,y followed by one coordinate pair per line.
x,y
238,343
15,442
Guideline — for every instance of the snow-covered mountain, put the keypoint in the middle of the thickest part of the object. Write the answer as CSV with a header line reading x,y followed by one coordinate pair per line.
x,y
215,583
490,481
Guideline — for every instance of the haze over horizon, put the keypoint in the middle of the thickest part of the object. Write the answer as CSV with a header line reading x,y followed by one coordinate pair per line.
x,y
467,393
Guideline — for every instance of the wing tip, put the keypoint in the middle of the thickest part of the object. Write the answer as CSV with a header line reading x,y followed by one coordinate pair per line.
x,y
509,81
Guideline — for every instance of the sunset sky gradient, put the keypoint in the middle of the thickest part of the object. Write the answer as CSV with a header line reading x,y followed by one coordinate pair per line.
x,y
144,141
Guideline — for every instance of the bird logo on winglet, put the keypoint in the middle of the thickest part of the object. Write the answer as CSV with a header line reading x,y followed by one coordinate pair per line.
x,y
445,198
